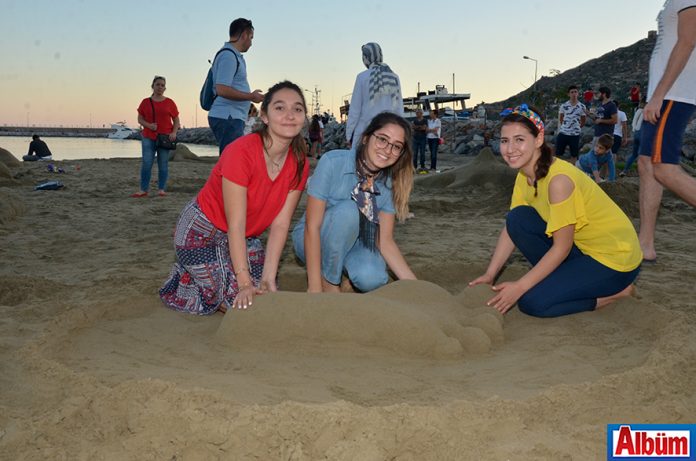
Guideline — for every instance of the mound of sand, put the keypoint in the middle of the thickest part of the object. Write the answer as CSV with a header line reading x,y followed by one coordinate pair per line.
x,y
625,194
11,206
484,170
414,318
8,159
182,153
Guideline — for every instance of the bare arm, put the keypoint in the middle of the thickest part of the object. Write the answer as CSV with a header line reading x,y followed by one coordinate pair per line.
x,y
390,250
228,92
560,188
314,219
175,129
686,41
503,250
277,237
146,124
235,202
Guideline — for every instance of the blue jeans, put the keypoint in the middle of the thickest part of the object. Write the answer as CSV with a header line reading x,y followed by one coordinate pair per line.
x,y
636,151
433,144
341,250
574,285
149,151
226,131
418,152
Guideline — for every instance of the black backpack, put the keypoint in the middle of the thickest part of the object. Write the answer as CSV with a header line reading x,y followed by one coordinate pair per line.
x,y
207,94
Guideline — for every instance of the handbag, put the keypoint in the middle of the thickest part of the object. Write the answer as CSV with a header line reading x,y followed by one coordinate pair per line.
x,y
162,141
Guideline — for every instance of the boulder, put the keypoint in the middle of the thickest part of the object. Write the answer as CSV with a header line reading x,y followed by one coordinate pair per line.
x,y
182,153
8,159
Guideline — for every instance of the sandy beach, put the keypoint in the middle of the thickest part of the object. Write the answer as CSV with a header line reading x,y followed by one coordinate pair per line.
x,y
92,366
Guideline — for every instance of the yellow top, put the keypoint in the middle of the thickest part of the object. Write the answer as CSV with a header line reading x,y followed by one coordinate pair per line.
x,y
602,229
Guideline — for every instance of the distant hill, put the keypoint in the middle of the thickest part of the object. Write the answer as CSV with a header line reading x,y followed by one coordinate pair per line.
x,y
618,69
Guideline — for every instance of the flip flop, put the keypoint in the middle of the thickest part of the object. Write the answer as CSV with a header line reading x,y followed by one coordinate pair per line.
x,y
649,261
139,195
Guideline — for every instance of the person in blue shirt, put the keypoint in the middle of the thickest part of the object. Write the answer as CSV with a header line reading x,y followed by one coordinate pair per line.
x,y
594,160
230,108
354,199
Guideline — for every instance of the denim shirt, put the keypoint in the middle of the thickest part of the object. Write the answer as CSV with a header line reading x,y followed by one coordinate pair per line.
x,y
225,72
335,178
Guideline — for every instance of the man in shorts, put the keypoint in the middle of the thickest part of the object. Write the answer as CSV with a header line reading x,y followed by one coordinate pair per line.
x,y
671,103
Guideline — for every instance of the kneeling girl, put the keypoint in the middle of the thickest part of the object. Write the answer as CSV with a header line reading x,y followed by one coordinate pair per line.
x,y
354,199
583,249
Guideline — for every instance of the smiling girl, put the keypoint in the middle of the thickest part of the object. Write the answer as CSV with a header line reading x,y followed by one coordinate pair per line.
x,y
255,185
583,249
354,199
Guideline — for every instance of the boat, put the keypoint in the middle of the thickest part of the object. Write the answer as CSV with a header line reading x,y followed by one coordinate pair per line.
x,y
121,131
426,101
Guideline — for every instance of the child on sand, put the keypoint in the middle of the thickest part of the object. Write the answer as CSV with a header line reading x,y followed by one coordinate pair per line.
x,y
583,249
594,160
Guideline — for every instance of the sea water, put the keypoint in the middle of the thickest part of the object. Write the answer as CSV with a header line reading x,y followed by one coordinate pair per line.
x,y
87,148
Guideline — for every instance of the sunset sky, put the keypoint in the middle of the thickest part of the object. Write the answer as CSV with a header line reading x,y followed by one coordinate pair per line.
x,y
74,62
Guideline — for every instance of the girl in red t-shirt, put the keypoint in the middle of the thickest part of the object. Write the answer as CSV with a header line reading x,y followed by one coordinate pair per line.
x,y
157,115
255,186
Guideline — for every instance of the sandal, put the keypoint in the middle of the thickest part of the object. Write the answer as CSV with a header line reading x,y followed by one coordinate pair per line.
x,y
139,195
162,193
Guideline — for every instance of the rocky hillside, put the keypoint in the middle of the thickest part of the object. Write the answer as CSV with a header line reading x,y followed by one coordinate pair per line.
x,y
619,70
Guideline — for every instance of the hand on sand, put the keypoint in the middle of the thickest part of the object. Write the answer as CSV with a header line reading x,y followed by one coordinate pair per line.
x,y
508,294
485,278
245,297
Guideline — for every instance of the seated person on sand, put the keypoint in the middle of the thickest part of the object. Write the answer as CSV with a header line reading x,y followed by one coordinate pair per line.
x,y
38,150
354,199
256,184
593,161
583,248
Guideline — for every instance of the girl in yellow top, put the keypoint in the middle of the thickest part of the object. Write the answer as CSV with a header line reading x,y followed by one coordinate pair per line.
x,y
583,248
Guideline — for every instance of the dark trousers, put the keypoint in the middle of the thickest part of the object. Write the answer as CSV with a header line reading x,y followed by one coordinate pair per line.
x,y
574,285
418,152
565,140
433,144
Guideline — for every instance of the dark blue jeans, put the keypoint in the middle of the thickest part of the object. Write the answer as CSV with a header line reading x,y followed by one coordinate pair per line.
x,y
226,131
565,140
575,285
636,151
418,152
433,144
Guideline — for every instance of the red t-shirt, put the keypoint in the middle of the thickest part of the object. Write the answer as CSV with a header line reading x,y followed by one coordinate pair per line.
x,y
635,94
243,163
588,96
165,111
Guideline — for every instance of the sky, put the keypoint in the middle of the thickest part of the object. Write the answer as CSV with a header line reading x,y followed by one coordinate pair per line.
x,y
91,62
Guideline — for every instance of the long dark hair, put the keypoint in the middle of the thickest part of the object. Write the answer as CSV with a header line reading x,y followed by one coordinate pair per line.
x,y
298,144
541,169
401,172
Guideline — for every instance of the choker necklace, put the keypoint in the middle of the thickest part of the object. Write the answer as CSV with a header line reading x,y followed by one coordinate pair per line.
x,y
275,166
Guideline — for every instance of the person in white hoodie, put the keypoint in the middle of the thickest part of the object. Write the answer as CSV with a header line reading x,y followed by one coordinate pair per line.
x,y
376,90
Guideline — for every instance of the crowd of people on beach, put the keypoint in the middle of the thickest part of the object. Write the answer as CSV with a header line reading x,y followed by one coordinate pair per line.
x,y
583,250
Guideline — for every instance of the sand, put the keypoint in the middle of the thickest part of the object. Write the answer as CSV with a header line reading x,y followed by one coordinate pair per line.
x,y
92,366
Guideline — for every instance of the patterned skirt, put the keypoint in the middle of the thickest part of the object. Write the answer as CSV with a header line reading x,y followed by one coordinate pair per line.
x,y
203,276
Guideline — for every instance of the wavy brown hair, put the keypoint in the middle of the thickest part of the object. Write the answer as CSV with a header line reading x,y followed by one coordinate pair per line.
x,y
401,172
298,144
541,169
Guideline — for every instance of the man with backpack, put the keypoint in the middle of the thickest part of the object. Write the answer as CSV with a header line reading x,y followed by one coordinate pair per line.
x,y
230,107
